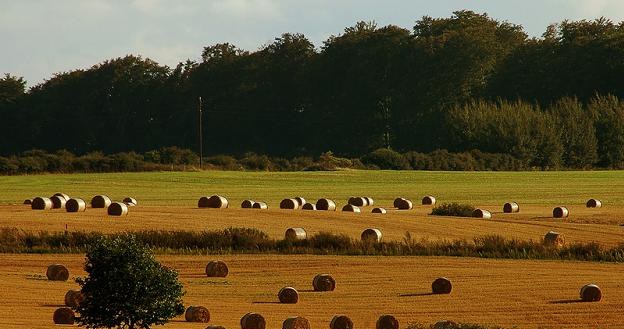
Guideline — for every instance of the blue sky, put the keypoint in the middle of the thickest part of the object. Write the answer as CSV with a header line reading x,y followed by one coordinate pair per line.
x,y
43,37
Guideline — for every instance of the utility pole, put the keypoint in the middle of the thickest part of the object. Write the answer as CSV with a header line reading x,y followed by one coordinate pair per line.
x,y
201,140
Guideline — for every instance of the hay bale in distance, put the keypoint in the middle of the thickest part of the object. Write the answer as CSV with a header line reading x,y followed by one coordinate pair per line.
x,y
441,286
288,295
295,233
325,204
117,209
511,207
481,213
129,200
100,201
76,205
379,210
341,322
57,272
371,235
260,205
247,204
357,201
73,298
214,201
28,201
593,203
63,315
591,293
300,201
560,212
554,239
296,322
58,201
369,201
429,200
289,204
403,204
41,203
253,321
217,269
197,314
62,195
323,282
387,322
309,206
351,208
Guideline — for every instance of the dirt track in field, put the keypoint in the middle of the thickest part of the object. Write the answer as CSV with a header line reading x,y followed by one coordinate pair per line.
x,y
527,294
583,225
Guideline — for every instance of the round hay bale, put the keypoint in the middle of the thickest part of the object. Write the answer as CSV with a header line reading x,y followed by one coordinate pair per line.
x,y
214,201
117,209
357,201
429,200
217,269
58,201
403,204
247,204
341,322
100,201
369,201
260,205
57,272
446,324
325,204
63,315
300,201
554,239
62,195
289,204
387,322
481,213
593,203
197,314
309,206
288,295
295,233
371,235
41,203
441,286
296,322
379,210
253,321
129,200
76,205
560,212
511,207
323,282
591,293
28,201
73,298
351,208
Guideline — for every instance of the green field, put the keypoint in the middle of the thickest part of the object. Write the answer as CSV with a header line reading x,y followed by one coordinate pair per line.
x,y
184,188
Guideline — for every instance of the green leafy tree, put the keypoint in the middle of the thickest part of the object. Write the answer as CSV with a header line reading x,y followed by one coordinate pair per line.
x,y
126,287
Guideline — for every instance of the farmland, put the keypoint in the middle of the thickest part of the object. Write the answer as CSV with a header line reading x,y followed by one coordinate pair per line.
x,y
523,293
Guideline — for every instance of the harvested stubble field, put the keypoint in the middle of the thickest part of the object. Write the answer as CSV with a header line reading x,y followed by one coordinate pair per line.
x,y
168,201
527,294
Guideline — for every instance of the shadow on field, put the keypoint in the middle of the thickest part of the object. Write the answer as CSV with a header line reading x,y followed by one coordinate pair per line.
x,y
566,301
417,294
53,305
264,302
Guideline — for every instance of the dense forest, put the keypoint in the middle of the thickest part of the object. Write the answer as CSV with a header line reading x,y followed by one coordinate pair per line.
x,y
467,83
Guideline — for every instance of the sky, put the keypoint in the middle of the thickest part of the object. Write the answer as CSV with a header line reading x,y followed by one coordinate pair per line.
x,y
42,37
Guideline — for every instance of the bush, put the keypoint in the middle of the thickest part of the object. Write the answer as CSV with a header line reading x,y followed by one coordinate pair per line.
x,y
453,209
386,159
126,287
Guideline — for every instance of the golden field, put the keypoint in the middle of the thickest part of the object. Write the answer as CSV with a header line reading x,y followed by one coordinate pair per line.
x,y
527,294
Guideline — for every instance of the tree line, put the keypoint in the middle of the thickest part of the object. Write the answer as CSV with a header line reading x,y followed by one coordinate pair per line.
x,y
462,83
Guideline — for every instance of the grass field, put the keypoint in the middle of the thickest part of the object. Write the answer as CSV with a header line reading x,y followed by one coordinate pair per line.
x,y
527,294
